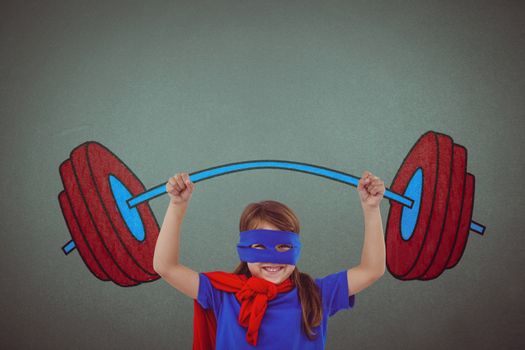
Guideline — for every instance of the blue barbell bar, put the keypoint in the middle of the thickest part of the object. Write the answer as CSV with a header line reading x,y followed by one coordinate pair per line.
x,y
209,173
278,164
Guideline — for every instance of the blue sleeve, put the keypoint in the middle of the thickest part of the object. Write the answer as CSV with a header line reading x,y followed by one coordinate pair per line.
x,y
208,296
334,292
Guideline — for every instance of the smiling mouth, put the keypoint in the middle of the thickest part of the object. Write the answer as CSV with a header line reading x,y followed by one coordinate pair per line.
x,y
272,269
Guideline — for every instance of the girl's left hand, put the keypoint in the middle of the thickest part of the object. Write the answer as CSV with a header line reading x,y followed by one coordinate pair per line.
x,y
371,190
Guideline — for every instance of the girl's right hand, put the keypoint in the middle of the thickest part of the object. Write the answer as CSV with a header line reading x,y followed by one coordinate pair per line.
x,y
180,188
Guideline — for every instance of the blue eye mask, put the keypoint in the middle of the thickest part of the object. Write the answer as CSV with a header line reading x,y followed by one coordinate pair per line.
x,y
269,239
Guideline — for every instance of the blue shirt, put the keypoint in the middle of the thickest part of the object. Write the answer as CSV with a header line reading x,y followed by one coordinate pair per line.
x,y
281,325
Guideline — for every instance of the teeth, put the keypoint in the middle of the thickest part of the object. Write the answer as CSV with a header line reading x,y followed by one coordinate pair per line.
x,y
272,269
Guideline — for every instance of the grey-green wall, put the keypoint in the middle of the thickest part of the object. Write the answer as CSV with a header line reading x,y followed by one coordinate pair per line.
x,y
183,86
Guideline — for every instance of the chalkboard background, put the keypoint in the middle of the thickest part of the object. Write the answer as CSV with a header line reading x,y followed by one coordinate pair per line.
x,y
180,86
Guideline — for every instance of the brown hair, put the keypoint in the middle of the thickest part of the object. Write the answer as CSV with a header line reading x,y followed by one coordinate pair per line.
x,y
285,219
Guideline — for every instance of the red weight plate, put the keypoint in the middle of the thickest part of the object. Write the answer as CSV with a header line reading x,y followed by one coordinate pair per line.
x,y
455,201
89,232
464,224
435,227
408,259
93,165
78,238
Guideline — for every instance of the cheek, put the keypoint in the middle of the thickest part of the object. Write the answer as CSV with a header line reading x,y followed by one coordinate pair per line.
x,y
289,269
254,268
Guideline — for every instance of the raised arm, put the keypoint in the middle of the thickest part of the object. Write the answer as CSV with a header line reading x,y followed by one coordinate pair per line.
x,y
166,255
373,256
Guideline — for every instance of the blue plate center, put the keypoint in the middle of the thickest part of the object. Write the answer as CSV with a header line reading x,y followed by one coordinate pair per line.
x,y
409,215
131,216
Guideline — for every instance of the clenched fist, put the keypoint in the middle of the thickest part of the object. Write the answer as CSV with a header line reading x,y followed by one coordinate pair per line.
x,y
179,188
371,190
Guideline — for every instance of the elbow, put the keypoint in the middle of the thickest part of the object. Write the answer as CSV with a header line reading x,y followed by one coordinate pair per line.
x,y
375,272
159,264
378,274
162,268
158,267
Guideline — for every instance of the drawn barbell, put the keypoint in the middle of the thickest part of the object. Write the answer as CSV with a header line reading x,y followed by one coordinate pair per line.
x,y
114,230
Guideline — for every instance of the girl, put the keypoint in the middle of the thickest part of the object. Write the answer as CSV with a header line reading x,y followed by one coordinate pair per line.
x,y
267,303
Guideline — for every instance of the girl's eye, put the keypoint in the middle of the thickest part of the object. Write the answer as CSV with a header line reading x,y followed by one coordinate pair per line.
x,y
258,246
283,247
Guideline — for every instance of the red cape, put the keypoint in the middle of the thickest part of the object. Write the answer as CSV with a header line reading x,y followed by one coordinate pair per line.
x,y
253,294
